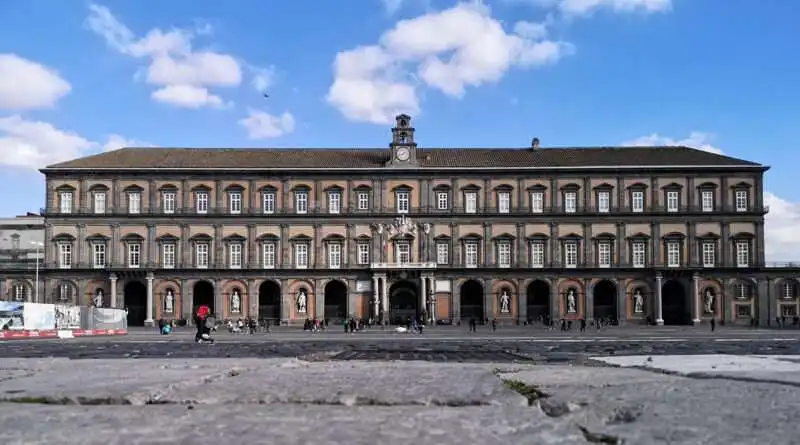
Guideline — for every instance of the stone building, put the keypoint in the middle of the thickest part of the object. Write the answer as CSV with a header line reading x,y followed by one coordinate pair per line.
x,y
623,233
21,248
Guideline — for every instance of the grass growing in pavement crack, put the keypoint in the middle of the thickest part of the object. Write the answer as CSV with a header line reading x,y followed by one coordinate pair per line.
x,y
599,437
530,392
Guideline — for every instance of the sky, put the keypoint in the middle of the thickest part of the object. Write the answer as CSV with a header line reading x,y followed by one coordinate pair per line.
x,y
78,78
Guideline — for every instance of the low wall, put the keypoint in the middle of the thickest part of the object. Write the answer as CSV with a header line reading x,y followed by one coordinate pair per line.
x,y
16,316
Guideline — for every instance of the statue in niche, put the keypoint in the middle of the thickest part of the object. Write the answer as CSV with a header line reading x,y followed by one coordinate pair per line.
x,y
302,302
169,302
505,302
236,302
98,298
572,302
638,302
708,301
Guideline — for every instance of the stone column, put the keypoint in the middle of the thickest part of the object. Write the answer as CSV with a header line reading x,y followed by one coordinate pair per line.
x,y
555,300
385,295
488,297
622,303
588,300
149,320
696,299
113,279
659,307
432,302
423,298
220,306
376,296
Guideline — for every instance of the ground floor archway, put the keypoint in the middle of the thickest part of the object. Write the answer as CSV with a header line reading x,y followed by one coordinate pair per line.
x,y
269,301
471,304
538,302
203,295
135,301
335,301
605,301
675,304
403,302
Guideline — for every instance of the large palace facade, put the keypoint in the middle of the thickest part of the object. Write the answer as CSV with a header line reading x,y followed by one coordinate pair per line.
x,y
670,233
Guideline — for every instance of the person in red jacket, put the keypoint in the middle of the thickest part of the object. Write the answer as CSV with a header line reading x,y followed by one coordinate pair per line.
x,y
203,331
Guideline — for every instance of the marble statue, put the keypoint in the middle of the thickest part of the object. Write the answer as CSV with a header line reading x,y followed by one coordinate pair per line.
x,y
98,298
236,302
302,301
169,301
638,302
572,304
426,227
505,302
708,301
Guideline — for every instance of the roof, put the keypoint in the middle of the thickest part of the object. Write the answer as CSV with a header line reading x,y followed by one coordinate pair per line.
x,y
446,158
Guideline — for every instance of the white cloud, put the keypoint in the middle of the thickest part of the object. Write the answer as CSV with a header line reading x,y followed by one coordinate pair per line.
x,y
263,78
182,73
447,50
392,6
696,139
262,125
32,144
585,7
29,85
115,142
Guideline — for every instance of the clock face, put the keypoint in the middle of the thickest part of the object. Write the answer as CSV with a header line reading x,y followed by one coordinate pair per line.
x,y
403,154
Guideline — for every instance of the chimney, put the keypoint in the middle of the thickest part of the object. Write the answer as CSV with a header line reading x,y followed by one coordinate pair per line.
x,y
535,143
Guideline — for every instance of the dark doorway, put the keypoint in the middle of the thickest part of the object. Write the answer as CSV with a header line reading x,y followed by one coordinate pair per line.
x,y
203,294
472,301
674,306
135,298
403,302
538,302
605,301
269,302
335,301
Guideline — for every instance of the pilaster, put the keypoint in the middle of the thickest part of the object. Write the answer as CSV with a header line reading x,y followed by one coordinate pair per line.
x,y
252,248
659,302
219,249
488,245
520,252
80,248
622,302
763,302
725,244
622,245
185,249
151,245
285,256
588,300
522,301
554,253
252,199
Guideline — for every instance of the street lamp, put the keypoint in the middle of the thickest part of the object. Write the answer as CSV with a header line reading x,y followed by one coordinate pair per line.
x,y
39,245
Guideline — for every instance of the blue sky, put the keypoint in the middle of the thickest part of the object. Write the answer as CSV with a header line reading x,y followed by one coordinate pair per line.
x,y
85,77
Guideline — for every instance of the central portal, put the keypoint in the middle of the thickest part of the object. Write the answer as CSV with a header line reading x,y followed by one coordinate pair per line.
x,y
403,302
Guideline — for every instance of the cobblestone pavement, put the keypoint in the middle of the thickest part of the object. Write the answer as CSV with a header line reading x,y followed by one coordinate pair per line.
x,y
434,345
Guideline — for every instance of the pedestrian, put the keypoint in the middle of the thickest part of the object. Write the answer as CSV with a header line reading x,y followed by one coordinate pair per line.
x,y
713,324
203,332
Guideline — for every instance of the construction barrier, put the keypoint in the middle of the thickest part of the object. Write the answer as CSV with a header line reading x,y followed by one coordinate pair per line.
x,y
20,321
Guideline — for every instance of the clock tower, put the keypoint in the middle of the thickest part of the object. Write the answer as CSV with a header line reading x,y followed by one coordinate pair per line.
x,y
403,149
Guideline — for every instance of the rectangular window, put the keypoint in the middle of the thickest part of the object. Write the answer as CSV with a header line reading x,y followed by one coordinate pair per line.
x,y
168,199
19,292
709,255
134,255
201,201
741,200
471,254
334,202
603,202
571,255
65,202
707,200
168,256
639,254
268,202
442,253
537,254
470,202
268,255
604,254
403,202
637,201
301,255
743,311
403,253
236,203
235,256
99,202
134,203
65,256
570,202
672,201
334,255
363,253
441,200
99,256
301,202
363,201
742,254
537,202
673,254
201,255
504,202
504,255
